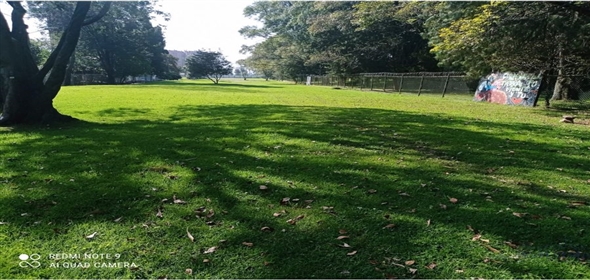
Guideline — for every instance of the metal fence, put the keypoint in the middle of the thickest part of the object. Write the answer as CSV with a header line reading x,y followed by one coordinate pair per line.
x,y
441,83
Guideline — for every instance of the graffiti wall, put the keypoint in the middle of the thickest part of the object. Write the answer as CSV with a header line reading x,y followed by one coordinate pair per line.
x,y
509,88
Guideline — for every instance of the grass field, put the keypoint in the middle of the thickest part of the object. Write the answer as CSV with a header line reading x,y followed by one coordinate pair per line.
x,y
254,179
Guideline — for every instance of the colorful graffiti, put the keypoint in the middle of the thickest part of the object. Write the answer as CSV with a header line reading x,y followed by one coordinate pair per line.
x,y
509,88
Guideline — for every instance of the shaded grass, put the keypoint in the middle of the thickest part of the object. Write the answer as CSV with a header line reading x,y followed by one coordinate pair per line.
x,y
353,156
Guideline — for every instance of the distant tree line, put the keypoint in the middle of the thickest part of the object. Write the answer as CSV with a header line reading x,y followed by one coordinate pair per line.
x,y
339,38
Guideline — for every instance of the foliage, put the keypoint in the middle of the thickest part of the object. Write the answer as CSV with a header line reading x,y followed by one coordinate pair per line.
x,y
207,64
512,36
372,167
40,49
124,44
392,36
336,38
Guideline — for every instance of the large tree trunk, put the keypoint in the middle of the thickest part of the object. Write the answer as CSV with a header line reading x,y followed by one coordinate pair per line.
x,y
70,70
30,91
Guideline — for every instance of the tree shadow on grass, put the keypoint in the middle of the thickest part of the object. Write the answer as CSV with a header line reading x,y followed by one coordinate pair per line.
x,y
337,157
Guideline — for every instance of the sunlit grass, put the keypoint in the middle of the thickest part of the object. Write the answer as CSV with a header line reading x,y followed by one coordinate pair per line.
x,y
411,181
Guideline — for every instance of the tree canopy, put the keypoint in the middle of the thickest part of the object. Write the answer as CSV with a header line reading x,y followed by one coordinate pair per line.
x,y
208,64
125,43
552,38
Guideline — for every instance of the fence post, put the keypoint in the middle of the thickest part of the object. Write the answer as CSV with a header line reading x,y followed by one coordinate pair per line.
x,y
371,82
362,82
421,83
384,83
401,82
446,84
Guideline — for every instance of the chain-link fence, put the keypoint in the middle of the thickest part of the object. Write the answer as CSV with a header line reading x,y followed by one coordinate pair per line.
x,y
442,83
578,86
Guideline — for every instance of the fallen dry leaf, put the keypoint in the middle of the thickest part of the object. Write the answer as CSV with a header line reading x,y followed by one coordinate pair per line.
x,y
565,217
476,237
351,253
428,223
206,260
389,226
159,214
188,271
277,214
410,262
397,264
442,206
342,237
342,231
292,221
371,191
177,201
577,203
91,236
300,217
413,270
263,187
485,240
431,266
520,215
190,236
492,249
285,200
404,194
453,200
345,245
117,219
210,250
309,201
511,245
459,271
249,244
266,229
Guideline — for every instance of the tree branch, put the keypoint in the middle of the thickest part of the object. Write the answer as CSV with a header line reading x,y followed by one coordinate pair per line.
x,y
103,11
20,34
6,52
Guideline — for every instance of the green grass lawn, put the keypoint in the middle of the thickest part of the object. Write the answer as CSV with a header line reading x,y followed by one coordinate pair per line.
x,y
273,180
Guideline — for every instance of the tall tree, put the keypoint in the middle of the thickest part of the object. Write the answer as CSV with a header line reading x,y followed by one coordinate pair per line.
x,y
210,65
124,43
336,37
30,90
515,36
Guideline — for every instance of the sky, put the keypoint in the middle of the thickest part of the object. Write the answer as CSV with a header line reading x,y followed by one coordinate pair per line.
x,y
194,25
206,24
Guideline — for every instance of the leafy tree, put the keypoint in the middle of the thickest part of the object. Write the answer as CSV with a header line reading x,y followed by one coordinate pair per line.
x,y
124,44
167,68
210,65
514,36
28,91
242,69
335,37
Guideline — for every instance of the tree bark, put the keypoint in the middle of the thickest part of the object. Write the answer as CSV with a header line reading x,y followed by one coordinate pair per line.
x,y
29,94
69,70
